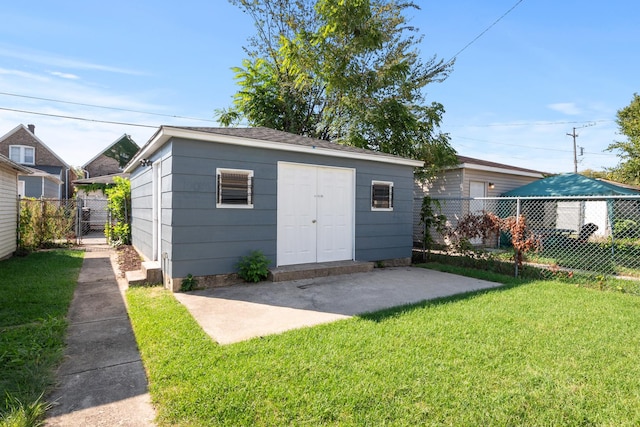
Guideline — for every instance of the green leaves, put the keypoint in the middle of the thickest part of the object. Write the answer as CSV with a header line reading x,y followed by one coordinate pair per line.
x,y
119,206
628,120
342,70
253,267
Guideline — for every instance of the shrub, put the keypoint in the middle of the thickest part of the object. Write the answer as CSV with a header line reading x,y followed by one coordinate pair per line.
x,y
189,283
45,223
253,267
119,206
626,228
432,218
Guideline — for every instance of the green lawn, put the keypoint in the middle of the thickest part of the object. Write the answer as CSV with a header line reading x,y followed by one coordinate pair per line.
x,y
35,293
531,353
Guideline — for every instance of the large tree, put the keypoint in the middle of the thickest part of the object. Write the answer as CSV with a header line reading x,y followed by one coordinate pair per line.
x,y
342,70
628,120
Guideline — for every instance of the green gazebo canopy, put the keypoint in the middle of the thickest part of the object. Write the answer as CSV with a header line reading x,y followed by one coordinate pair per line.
x,y
570,184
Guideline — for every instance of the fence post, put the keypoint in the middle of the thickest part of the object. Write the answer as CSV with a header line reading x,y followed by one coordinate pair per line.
x,y
18,234
78,221
517,255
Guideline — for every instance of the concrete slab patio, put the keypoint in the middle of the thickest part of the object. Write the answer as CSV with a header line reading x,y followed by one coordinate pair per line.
x,y
240,312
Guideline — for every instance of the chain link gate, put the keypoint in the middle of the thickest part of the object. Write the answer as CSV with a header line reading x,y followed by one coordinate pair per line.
x,y
598,234
92,216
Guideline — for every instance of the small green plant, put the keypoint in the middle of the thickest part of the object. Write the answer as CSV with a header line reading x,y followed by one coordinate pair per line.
x,y
253,267
189,283
24,415
432,218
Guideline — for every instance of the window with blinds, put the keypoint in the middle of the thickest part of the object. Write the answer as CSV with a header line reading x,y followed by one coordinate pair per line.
x,y
235,188
381,195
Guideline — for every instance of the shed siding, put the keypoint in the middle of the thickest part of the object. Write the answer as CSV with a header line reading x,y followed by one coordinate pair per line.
x,y
8,211
142,206
207,240
446,184
141,211
502,182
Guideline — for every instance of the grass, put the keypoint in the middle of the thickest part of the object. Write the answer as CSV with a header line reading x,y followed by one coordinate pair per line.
x,y
35,293
624,259
530,353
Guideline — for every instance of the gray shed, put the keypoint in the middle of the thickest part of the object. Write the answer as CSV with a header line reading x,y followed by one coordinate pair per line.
x,y
204,197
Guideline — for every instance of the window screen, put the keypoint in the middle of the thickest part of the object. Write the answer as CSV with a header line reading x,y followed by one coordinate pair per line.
x,y
235,188
381,195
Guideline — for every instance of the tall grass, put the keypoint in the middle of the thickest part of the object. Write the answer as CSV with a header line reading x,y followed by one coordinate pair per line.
x,y
35,294
537,353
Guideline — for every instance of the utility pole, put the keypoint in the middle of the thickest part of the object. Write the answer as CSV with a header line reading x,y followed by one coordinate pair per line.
x,y
575,154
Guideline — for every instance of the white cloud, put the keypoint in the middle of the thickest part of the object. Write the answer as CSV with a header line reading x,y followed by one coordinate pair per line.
x,y
53,60
64,75
23,75
26,98
568,108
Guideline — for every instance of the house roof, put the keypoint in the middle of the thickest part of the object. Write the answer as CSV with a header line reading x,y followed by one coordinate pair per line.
x,y
261,137
117,141
465,162
102,179
41,142
570,184
619,184
13,165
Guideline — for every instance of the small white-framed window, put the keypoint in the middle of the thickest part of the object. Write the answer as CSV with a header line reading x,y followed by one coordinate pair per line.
x,y
22,154
381,196
234,188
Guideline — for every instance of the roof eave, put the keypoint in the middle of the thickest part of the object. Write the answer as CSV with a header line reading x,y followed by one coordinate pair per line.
x,y
500,170
13,165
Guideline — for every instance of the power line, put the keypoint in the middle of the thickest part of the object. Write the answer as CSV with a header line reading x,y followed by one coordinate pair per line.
x,y
529,147
483,33
536,123
105,107
60,116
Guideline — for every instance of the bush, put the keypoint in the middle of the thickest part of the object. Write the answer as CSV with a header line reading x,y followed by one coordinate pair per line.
x,y
45,223
253,267
119,205
626,228
189,283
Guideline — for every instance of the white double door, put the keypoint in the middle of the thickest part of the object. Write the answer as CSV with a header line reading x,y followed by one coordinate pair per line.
x,y
315,214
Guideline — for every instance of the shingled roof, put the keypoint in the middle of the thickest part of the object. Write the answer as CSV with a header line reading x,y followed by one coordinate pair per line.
x,y
262,137
272,135
470,160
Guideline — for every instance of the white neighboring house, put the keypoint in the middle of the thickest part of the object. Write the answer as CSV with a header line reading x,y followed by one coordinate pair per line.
x,y
9,205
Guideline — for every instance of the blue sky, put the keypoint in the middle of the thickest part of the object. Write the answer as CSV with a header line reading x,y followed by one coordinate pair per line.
x,y
513,96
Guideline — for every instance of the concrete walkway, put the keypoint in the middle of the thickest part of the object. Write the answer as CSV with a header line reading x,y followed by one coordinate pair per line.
x,y
241,312
101,381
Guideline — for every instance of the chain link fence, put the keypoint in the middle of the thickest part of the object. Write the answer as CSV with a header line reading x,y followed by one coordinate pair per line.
x,y
49,222
599,234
